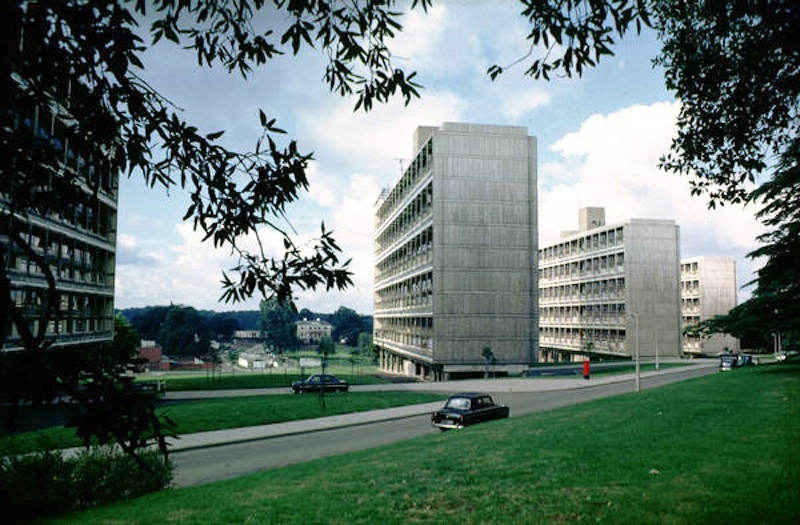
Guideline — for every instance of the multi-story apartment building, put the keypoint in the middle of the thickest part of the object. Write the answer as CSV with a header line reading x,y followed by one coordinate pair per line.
x,y
455,255
312,331
76,244
708,289
605,290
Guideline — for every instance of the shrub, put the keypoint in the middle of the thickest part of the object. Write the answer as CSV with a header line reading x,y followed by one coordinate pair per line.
x,y
49,483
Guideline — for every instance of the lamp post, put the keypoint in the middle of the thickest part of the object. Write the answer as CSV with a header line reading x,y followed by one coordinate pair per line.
x,y
658,367
637,381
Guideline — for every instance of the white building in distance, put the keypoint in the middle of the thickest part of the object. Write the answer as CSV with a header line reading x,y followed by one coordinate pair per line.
x,y
455,255
708,289
312,331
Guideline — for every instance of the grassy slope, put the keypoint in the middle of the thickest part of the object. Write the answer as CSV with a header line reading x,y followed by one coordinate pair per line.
x,y
719,449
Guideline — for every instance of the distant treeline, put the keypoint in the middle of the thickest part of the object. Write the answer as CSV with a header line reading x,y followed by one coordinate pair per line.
x,y
185,331
245,320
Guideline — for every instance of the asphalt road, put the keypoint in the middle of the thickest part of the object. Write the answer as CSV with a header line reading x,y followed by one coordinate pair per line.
x,y
205,465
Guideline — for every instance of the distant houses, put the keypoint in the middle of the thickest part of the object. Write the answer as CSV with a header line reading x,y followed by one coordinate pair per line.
x,y
311,332
247,335
155,360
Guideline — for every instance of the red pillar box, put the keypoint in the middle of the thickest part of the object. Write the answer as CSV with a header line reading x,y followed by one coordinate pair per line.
x,y
586,369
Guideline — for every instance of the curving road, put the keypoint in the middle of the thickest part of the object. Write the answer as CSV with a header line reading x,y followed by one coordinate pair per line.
x,y
205,465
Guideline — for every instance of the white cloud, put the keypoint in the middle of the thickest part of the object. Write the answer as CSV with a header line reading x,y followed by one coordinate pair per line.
x,y
373,141
321,186
126,241
421,36
351,220
516,106
187,273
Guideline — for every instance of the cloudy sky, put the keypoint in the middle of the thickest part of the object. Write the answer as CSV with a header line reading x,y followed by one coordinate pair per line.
x,y
600,137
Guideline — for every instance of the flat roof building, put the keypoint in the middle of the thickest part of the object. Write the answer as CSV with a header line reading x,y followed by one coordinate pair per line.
x,y
708,289
455,255
608,290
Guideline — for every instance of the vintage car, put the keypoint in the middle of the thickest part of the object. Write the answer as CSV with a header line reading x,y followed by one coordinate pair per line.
x,y
465,409
729,361
320,383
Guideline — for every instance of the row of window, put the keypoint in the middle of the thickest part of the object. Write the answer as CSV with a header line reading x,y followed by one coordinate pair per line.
x,y
604,289
77,313
689,268
414,291
579,339
98,274
416,252
69,303
589,242
417,210
77,158
416,332
690,286
689,304
614,262
596,313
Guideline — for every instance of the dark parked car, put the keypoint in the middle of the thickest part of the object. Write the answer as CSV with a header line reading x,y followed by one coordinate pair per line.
x,y
319,383
461,410
727,362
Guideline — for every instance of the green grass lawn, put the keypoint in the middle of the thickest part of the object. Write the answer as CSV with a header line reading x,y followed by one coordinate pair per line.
x,y
222,413
719,449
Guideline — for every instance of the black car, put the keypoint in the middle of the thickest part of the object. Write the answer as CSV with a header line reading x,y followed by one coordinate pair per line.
x,y
462,410
320,383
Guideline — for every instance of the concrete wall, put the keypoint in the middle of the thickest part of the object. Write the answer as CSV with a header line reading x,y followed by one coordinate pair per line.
x,y
715,292
652,256
485,243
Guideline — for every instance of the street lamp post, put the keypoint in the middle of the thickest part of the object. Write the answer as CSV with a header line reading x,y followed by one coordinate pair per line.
x,y
658,367
637,382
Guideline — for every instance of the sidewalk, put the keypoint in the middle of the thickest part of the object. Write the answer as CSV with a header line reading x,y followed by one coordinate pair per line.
x,y
244,434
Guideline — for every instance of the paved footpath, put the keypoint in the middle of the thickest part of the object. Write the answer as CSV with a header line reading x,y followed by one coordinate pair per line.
x,y
243,434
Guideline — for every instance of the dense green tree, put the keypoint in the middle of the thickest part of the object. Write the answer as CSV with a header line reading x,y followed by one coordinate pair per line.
x,y
221,326
148,322
778,284
305,313
184,332
277,325
326,348
347,324
365,344
126,343
774,309
735,67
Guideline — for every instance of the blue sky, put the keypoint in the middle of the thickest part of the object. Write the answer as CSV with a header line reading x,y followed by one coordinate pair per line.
x,y
599,136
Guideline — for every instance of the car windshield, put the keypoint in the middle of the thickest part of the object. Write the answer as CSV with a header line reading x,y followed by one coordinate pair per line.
x,y
458,403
